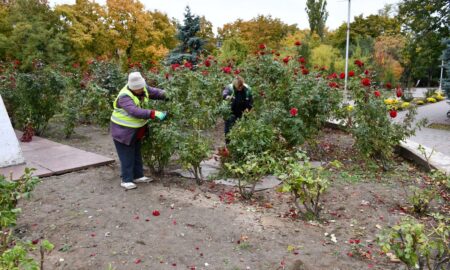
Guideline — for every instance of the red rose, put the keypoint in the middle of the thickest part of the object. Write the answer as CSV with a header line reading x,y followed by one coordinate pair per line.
x,y
293,112
305,71
399,92
302,60
351,73
237,71
377,93
359,63
342,76
286,59
333,85
262,46
188,65
393,113
366,72
298,43
175,66
155,213
365,81
388,85
207,63
226,70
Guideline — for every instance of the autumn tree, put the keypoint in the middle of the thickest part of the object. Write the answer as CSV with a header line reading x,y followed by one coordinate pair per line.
x,y
206,33
368,28
388,57
317,16
84,23
34,33
259,30
191,45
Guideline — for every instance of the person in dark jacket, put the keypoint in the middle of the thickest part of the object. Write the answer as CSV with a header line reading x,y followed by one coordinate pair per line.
x,y
129,124
241,100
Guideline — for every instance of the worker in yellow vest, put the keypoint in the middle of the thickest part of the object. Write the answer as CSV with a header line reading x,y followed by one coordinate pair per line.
x,y
129,124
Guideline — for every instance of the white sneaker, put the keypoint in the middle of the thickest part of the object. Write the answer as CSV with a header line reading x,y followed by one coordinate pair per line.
x,y
128,185
143,179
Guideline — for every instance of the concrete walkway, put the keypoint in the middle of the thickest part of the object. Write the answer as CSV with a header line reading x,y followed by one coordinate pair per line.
x,y
51,158
436,142
433,138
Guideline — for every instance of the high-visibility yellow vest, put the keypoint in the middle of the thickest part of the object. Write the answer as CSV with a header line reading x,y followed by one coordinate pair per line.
x,y
121,117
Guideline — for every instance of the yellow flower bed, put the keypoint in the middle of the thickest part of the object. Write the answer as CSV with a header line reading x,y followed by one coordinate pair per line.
x,y
405,105
431,100
390,101
439,97
420,102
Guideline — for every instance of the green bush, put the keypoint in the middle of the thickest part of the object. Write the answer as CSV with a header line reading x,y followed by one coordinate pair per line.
x,y
37,97
416,246
305,183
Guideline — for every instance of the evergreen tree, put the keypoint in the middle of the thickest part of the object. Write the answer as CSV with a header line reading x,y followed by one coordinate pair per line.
x,y
191,45
317,16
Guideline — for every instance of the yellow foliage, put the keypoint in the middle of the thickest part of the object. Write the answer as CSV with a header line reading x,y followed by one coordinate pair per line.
x,y
325,55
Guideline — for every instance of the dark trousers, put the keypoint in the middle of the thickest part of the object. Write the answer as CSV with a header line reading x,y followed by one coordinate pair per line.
x,y
229,123
131,165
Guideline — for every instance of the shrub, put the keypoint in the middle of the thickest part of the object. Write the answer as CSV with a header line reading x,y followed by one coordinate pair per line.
x,y
250,171
416,246
420,199
14,254
37,97
305,183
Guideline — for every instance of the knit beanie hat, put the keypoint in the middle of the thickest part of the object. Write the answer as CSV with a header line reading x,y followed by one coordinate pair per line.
x,y
135,81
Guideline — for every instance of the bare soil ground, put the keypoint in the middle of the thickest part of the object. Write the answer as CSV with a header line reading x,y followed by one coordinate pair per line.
x,y
95,224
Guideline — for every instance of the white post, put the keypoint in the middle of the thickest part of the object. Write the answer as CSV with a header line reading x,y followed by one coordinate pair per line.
x,y
442,72
346,52
11,154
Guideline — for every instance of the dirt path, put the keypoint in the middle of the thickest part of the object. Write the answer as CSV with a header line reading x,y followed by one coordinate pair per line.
x,y
95,224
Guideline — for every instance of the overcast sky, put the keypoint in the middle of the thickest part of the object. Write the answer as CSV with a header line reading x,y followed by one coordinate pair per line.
x,y
288,11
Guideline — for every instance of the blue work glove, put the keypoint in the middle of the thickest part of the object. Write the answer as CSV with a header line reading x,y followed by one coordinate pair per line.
x,y
160,115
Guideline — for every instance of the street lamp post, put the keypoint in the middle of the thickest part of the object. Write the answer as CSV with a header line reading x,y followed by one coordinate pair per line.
x,y
442,71
346,52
